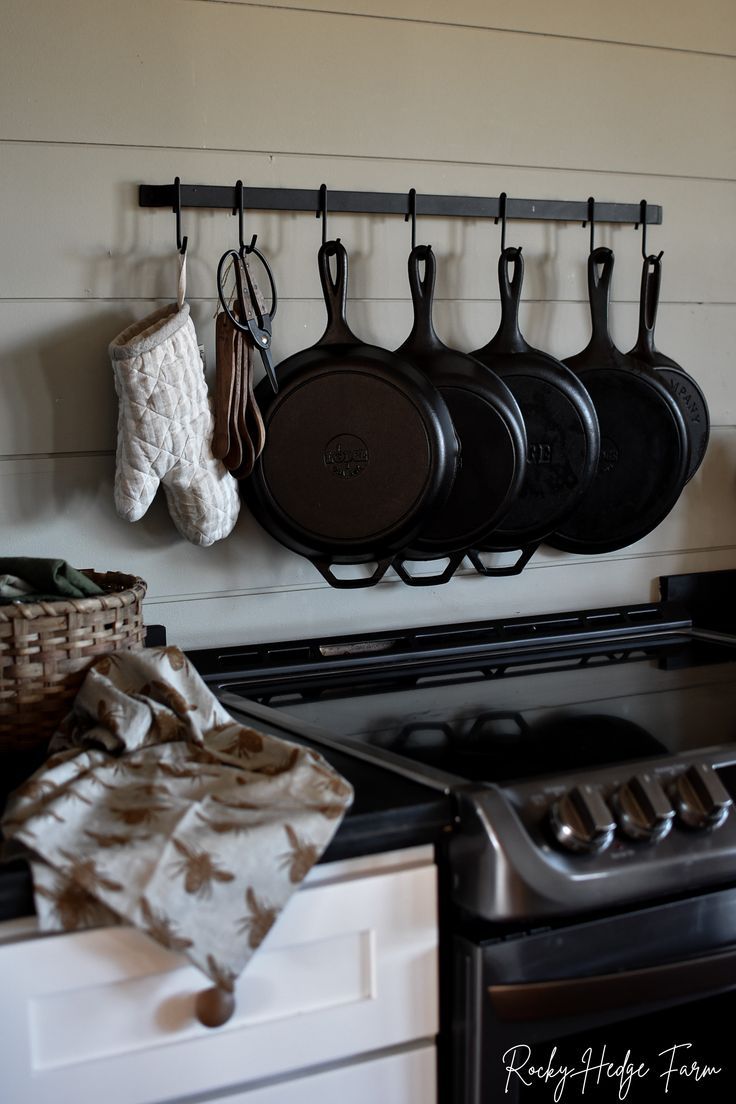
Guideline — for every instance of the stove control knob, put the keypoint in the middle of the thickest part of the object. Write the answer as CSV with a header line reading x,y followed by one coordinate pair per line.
x,y
581,820
700,797
643,810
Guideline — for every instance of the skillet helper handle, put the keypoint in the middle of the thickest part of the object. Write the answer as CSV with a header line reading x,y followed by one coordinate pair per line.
x,y
651,278
509,288
444,576
600,274
422,294
335,291
525,554
324,566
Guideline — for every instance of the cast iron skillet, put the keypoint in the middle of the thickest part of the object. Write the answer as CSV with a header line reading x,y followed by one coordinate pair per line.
x,y
563,439
645,450
488,423
688,395
360,447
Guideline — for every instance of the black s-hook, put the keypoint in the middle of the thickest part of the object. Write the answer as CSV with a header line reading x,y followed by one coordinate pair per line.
x,y
181,244
591,219
643,221
502,216
238,210
322,210
412,214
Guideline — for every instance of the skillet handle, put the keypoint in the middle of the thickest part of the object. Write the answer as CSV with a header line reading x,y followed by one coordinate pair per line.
x,y
444,576
651,278
509,334
525,554
422,295
600,273
335,292
324,566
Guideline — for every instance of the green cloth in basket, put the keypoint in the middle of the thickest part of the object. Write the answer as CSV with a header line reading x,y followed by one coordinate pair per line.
x,y
30,579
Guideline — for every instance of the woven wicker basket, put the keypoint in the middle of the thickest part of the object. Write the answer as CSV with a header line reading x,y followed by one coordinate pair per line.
x,y
46,647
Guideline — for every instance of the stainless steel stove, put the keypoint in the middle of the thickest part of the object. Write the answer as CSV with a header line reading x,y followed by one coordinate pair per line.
x,y
592,760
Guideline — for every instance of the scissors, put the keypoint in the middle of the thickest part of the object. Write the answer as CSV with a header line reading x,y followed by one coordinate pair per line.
x,y
252,317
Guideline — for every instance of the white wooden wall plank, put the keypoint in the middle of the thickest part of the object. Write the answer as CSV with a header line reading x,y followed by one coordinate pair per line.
x,y
290,615
70,501
418,90
58,384
77,230
109,95
708,26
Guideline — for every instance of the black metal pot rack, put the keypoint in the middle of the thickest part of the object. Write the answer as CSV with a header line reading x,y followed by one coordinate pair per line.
x,y
175,196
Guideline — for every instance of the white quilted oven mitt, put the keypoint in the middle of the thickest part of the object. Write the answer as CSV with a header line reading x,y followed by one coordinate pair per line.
x,y
165,428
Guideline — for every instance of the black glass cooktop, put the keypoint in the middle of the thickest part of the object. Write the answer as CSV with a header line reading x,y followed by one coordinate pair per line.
x,y
510,716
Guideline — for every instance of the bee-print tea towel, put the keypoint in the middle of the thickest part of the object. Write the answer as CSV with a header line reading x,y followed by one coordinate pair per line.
x,y
158,809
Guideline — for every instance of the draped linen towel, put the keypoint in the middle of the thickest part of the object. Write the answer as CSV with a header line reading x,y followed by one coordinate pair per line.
x,y
158,809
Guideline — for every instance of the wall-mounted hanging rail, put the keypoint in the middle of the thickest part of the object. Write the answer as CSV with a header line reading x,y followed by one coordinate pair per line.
x,y
392,203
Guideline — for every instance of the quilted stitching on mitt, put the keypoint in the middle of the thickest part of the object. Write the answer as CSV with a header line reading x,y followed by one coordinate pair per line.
x,y
165,429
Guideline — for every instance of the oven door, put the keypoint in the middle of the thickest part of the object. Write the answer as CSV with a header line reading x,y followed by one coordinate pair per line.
x,y
640,1007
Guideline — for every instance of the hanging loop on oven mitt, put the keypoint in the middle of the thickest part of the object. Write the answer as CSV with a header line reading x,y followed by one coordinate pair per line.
x,y
165,429
158,809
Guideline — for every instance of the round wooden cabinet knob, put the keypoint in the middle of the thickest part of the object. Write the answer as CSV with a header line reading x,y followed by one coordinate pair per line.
x,y
214,1006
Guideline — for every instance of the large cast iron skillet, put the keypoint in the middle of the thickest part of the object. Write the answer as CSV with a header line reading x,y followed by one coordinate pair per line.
x,y
488,423
645,451
688,395
563,439
360,447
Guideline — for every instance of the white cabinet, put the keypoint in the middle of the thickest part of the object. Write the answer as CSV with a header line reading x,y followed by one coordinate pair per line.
x,y
406,1078
349,969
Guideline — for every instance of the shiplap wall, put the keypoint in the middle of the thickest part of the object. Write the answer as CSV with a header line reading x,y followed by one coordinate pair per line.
x,y
559,100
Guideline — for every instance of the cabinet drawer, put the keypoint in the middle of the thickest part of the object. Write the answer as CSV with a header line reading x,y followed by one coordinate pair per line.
x,y
349,967
408,1078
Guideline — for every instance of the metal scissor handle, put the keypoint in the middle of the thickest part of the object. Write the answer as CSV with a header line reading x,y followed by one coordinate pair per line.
x,y
254,319
251,284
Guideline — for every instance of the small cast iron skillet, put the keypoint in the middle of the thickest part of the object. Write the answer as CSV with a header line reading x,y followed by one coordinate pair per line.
x,y
688,395
360,447
563,438
645,450
489,425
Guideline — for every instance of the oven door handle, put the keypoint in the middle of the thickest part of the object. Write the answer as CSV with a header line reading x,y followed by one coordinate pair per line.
x,y
678,981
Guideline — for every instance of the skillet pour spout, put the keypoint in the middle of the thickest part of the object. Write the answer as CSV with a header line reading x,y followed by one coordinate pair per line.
x,y
360,447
